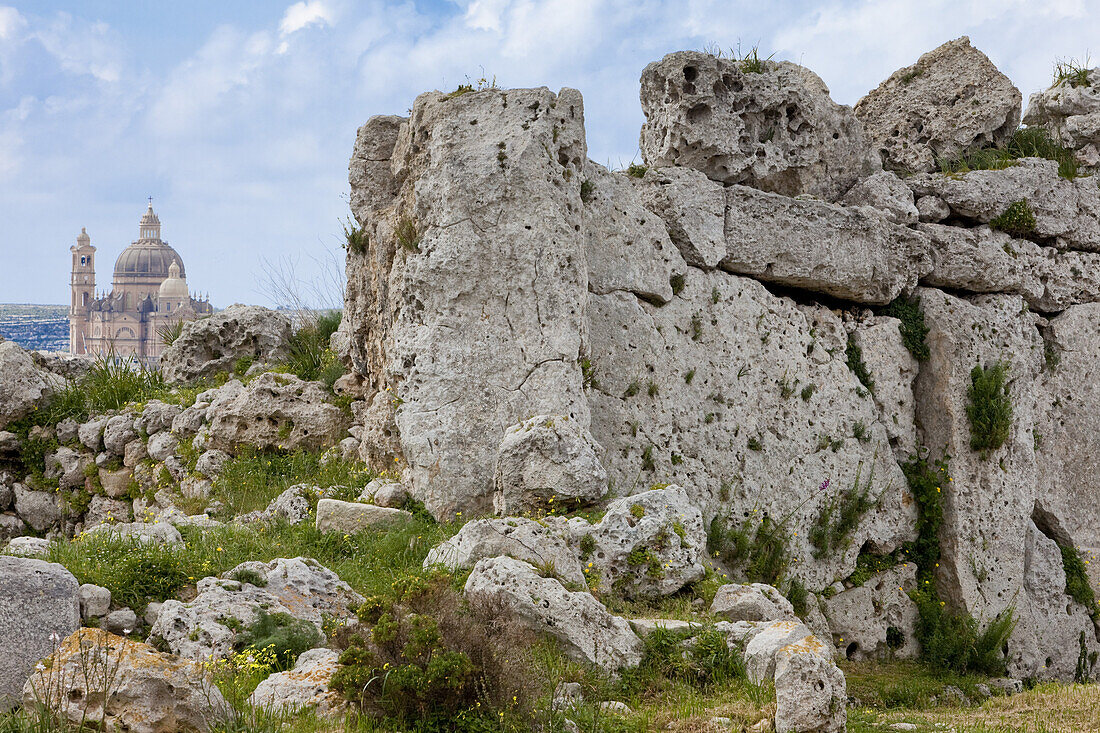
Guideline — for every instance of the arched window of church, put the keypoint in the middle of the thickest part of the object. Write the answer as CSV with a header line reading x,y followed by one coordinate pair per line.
x,y
169,307
84,299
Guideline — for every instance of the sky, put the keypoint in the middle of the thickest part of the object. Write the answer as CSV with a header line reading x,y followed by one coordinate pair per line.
x,y
238,118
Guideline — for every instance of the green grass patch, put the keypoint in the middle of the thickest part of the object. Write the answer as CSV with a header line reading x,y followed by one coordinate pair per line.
x,y
1017,220
832,528
888,685
913,330
854,357
756,545
1026,142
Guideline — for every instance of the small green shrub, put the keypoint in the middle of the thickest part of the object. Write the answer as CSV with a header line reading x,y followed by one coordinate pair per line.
x,y
242,365
148,573
636,170
407,234
989,408
701,660
311,358
677,282
755,444
355,238
839,517
953,640
588,189
1017,220
1026,142
169,332
913,330
799,597
244,575
757,546
286,637
926,482
854,355
751,63
1078,586
1071,72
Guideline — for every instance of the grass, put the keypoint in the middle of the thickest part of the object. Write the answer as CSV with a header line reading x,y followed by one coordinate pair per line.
x,y
832,528
355,238
989,408
854,356
1077,579
757,546
890,685
1072,72
407,234
1026,142
311,357
168,333
250,480
913,329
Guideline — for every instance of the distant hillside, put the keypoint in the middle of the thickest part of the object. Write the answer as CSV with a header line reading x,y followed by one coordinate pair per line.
x,y
42,327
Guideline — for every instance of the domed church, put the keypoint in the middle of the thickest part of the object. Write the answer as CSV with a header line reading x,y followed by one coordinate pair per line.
x,y
149,295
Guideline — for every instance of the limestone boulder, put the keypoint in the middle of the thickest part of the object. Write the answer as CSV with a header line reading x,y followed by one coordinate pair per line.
x,y
953,99
67,466
156,417
848,253
385,492
304,687
39,606
91,433
118,431
892,369
162,445
116,483
627,246
487,221
28,547
373,186
294,505
139,532
886,193
211,345
23,384
310,590
877,619
752,602
650,544
1067,213
693,209
349,517
276,411
583,626
1070,111
151,692
523,539
810,690
103,509
95,601
211,463
41,510
774,127
546,462
10,526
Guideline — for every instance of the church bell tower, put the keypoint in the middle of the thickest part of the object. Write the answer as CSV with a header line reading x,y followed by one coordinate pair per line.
x,y
82,285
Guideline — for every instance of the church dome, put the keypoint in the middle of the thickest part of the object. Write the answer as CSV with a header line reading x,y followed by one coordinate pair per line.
x,y
148,256
147,259
174,287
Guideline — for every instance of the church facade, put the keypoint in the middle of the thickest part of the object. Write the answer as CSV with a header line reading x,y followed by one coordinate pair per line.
x,y
148,295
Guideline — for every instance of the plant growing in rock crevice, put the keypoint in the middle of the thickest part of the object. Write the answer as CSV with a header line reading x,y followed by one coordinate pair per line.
x,y
407,233
1017,220
913,330
989,408
1078,586
839,516
854,357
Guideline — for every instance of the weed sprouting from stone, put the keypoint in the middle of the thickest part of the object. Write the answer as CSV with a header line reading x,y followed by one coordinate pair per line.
x,y
854,356
989,408
913,330
1017,220
407,234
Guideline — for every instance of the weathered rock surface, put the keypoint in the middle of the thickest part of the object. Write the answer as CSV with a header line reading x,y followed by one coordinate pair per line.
x,y
385,492
39,606
486,222
95,601
810,691
39,509
886,193
23,384
876,619
951,100
211,345
848,253
753,602
1070,111
305,686
585,629
274,411
650,544
1067,213
776,129
349,517
139,532
547,462
524,539
151,692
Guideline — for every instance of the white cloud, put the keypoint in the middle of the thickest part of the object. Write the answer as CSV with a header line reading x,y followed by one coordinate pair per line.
x,y
86,49
485,15
10,22
302,14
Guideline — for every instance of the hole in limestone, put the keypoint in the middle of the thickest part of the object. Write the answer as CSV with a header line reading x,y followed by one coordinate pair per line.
x,y
690,72
851,650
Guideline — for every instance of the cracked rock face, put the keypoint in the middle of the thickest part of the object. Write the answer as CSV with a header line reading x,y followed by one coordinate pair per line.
x,y
22,383
951,100
1070,112
473,283
776,129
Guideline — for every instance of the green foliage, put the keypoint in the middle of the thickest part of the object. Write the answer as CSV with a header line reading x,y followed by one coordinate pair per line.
x,y
854,356
913,330
588,374
808,392
905,684
252,478
926,482
355,238
430,663
677,283
989,408
636,170
953,640
169,332
1077,579
242,365
1017,220
799,597
701,658
868,565
833,526
1071,72
588,188
284,635
311,358
757,546
407,233
1026,142
755,444
252,577
751,63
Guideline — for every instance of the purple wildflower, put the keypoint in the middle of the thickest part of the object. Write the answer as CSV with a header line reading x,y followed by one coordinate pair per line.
x,y
824,484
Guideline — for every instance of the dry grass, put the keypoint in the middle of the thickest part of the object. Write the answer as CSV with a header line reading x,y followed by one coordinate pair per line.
x,y
1048,708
